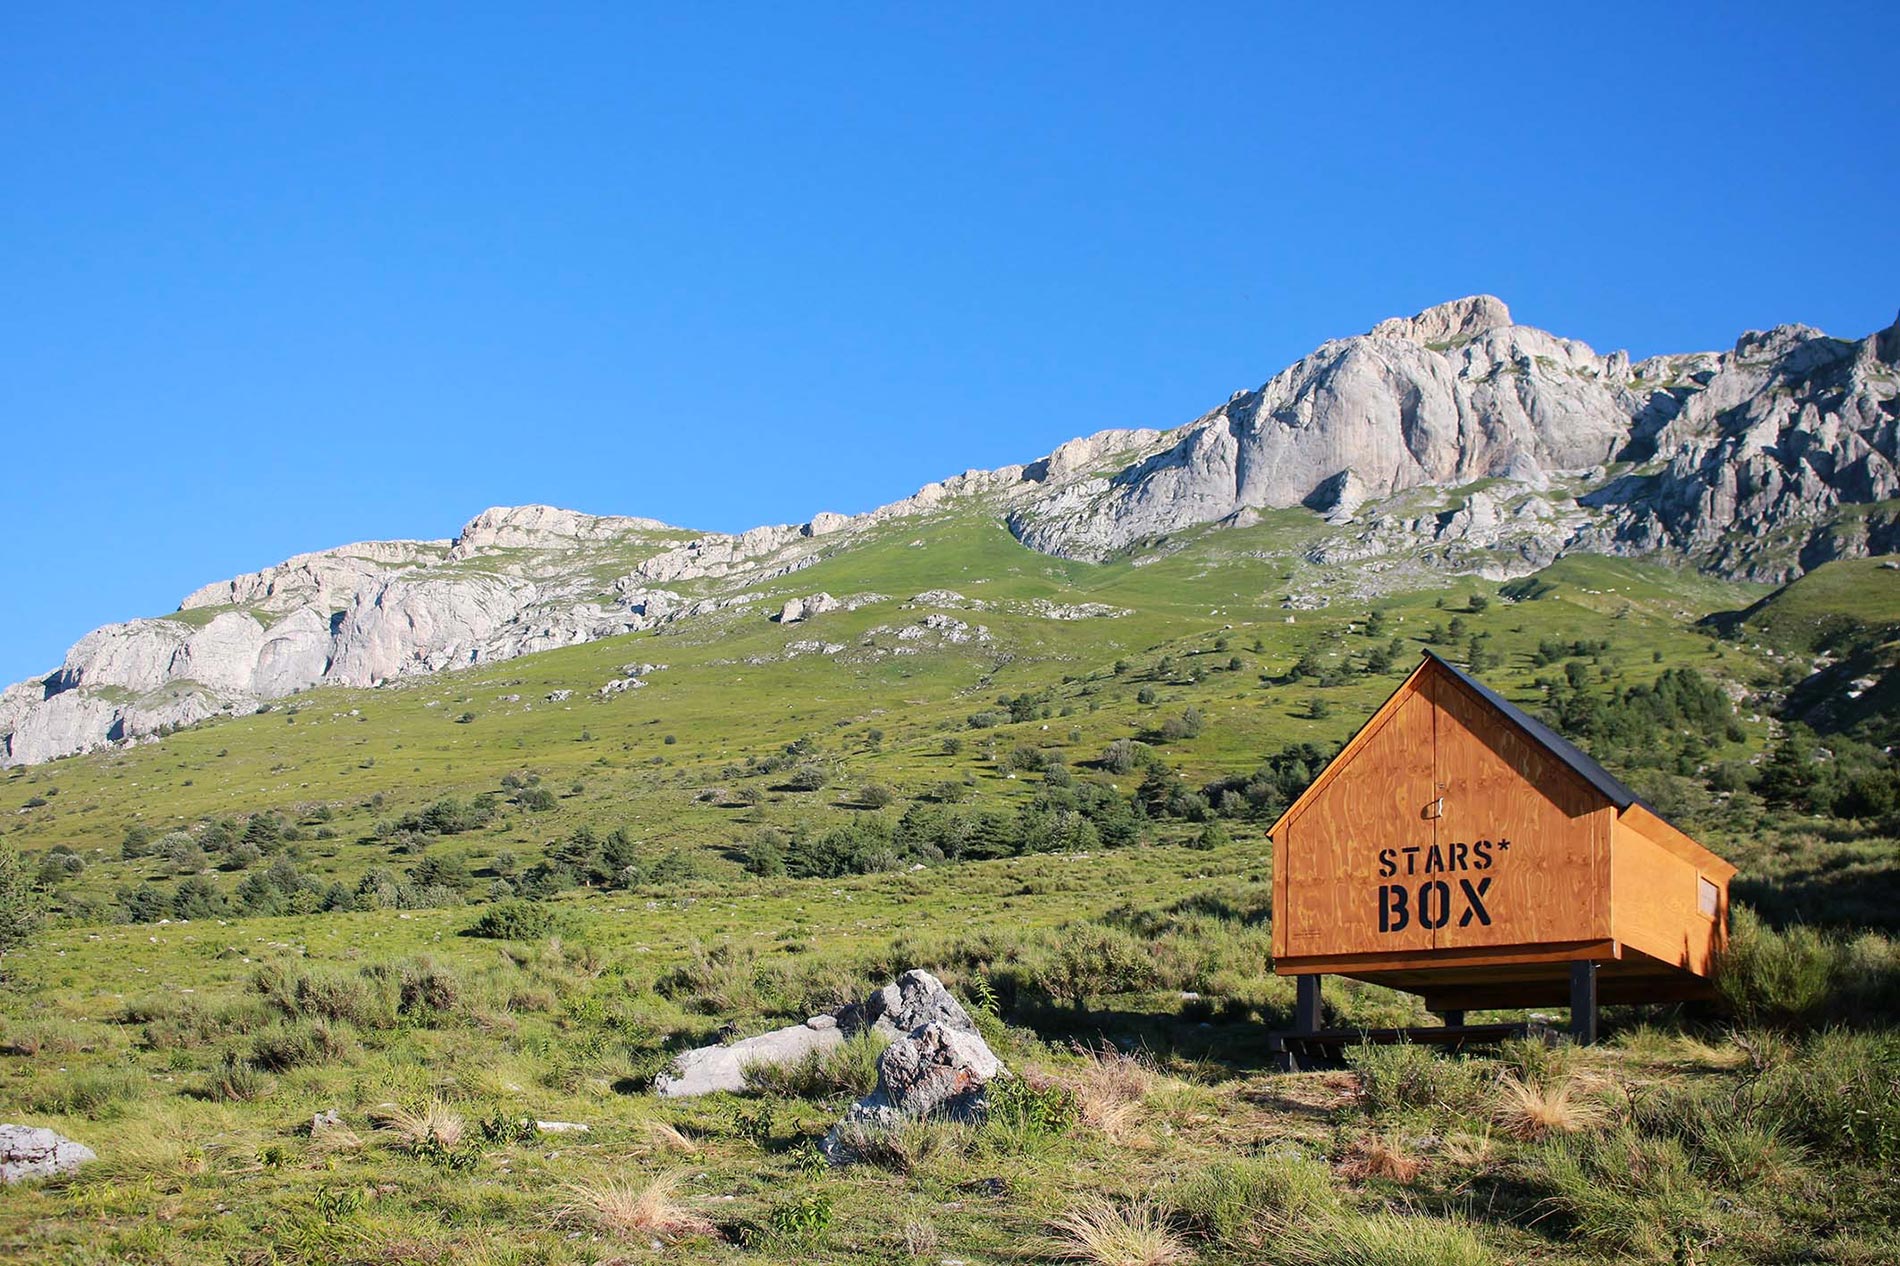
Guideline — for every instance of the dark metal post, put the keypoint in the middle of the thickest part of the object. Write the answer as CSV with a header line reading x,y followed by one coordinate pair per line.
x,y
1452,1019
1583,1003
1306,1003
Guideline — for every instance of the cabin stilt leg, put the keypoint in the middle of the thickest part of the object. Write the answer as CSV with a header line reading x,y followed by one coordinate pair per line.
x,y
1285,1047
1306,1003
1583,1003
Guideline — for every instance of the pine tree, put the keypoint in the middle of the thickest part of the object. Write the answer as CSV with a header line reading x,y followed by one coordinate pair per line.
x,y
19,903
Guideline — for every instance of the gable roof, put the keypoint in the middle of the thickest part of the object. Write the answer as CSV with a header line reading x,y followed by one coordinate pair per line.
x,y
1579,761
1573,757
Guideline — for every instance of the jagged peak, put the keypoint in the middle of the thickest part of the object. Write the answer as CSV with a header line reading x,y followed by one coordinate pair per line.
x,y
1452,322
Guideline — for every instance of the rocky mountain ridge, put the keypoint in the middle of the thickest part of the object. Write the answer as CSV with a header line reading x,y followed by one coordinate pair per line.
x,y
1453,440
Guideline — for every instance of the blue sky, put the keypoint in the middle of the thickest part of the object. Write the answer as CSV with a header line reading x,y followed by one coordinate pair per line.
x,y
280,277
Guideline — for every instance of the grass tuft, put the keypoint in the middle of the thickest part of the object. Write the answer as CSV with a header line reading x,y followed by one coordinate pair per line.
x,y
632,1209
1110,1234
1531,1110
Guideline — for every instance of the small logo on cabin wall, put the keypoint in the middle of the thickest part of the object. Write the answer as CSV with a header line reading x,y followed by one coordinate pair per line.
x,y
1431,903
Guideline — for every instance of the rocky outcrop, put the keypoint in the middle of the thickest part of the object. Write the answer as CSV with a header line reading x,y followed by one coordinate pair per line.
x,y
709,1069
937,1064
33,1152
1455,439
1736,462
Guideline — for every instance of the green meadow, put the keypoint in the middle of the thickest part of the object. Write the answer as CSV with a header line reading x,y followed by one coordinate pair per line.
x,y
259,920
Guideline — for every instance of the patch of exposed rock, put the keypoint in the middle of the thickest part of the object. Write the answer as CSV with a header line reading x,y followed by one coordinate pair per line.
x,y
1741,459
937,1064
35,1152
715,1068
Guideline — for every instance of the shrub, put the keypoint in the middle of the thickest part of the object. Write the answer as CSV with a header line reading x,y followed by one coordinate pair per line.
x,y
1406,1076
425,988
1026,1110
324,996
803,1218
514,921
806,778
1096,961
1801,978
297,1043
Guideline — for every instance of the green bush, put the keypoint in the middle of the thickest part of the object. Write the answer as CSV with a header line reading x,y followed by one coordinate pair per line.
x,y
514,921
1800,978
1093,961
299,1043
348,999
1015,1107
1405,1076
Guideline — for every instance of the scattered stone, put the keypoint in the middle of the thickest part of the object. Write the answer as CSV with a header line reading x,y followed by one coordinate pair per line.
x,y
35,1152
714,1068
936,1065
562,1127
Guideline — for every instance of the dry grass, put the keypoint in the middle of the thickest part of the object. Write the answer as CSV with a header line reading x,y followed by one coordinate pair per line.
x,y
1469,1151
670,1139
434,1122
1110,1088
1117,1235
1530,1110
630,1209
1377,1157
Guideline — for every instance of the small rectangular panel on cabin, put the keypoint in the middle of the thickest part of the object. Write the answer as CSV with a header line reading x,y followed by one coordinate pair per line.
x,y
1548,832
1377,800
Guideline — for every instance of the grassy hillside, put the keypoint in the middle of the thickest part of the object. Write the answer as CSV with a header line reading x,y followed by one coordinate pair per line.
x,y
1058,777
335,763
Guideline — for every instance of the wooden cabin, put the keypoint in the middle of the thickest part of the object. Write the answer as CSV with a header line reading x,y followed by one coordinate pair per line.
x,y
1460,849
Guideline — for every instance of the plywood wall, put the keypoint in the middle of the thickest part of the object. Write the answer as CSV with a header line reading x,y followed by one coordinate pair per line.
x,y
1659,902
1442,827
1549,830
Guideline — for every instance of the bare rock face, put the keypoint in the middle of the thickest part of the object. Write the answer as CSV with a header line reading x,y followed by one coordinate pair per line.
x,y
31,1152
1452,440
1453,395
936,1065
1733,454
714,1068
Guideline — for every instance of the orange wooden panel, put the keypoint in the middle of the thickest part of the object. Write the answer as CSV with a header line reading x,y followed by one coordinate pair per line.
x,y
1374,805
1657,892
1427,961
1523,851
